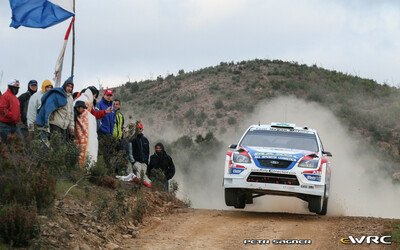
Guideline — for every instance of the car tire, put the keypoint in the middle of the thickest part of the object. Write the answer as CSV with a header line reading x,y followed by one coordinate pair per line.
x,y
249,198
234,197
240,201
324,209
318,204
230,196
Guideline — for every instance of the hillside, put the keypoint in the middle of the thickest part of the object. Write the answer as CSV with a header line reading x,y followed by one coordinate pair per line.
x,y
216,98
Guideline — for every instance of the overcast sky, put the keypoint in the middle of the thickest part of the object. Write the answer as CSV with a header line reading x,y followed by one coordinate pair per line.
x,y
142,39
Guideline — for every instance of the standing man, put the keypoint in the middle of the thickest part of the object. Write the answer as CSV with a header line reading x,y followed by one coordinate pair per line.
x,y
24,103
139,150
119,121
57,111
34,104
162,161
9,110
106,127
107,122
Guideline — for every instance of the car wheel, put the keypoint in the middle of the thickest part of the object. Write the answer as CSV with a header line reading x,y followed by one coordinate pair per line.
x,y
235,198
240,201
249,198
318,204
324,209
230,196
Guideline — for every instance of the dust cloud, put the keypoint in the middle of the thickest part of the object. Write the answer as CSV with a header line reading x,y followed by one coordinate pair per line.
x,y
358,186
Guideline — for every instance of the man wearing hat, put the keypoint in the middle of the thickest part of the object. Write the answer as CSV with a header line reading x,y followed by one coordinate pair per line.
x,y
108,121
23,104
35,102
9,110
57,111
106,126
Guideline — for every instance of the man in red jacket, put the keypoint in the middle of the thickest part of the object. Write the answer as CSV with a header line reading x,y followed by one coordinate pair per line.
x,y
10,113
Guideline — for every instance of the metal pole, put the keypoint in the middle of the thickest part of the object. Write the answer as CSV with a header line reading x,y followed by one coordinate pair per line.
x,y
73,43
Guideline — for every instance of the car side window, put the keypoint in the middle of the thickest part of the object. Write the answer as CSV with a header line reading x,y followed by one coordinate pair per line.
x,y
320,142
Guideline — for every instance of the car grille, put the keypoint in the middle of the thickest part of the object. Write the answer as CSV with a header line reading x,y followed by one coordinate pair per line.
x,y
284,179
271,163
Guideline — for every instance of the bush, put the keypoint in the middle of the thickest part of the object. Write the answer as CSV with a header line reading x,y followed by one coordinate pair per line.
x,y
218,104
201,118
157,179
214,87
133,87
189,114
139,210
43,187
18,224
98,175
231,120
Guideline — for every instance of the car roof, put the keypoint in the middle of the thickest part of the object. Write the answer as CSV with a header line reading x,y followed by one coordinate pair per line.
x,y
283,126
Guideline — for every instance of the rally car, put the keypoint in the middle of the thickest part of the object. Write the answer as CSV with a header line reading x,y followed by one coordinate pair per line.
x,y
278,159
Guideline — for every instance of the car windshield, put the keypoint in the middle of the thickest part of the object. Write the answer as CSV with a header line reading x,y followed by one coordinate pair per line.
x,y
280,139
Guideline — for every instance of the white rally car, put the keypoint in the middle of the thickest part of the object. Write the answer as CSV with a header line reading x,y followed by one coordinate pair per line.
x,y
278,159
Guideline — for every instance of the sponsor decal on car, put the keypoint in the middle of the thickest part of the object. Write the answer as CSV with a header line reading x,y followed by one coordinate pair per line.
x,y
313,177
236,170
275,171
275,156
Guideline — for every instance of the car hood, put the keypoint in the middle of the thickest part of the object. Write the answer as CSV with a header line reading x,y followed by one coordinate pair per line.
x,y
277,153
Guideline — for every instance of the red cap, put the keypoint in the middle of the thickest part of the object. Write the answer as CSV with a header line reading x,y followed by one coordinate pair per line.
x,y
108,92
139,126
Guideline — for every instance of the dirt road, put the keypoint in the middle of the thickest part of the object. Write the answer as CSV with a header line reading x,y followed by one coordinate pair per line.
x,y
213,229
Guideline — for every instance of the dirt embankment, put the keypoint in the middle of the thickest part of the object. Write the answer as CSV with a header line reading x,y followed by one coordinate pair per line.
x,y
213,229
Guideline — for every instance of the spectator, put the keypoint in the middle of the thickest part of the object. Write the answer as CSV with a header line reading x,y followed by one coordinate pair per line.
x,y
56,112
99,114
106,127
107,122
119,121
162,161
23,104
9,110
35,102
86,128
139,150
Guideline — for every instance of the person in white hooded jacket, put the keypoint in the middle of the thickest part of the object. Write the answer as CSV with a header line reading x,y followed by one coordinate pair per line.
x,y
35,102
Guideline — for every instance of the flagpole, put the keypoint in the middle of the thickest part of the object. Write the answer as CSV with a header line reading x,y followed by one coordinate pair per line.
x,y
73,43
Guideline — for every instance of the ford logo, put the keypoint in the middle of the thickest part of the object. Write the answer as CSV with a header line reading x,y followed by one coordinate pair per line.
x,y
275,162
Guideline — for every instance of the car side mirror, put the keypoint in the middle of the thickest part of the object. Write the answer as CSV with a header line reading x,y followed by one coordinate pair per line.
x,y
327,153
232,146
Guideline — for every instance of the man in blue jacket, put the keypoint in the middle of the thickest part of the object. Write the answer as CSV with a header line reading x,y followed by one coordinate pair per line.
x,y
108,121
106,128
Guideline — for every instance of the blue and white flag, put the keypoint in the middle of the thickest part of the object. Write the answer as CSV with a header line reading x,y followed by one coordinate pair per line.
x,y
39,13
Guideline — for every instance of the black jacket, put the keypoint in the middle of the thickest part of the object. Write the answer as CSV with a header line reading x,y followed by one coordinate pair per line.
x,y
140,148
23,105
162,161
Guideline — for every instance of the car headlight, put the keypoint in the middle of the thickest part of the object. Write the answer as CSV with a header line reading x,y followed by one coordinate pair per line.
x,y
306,163
309,161
241,158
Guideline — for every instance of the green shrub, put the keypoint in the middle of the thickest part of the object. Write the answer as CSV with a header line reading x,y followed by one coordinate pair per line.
x,y
212,122
231,120
18,224
157,179
218,104
43,186
189,114
200,118
139,209
214,87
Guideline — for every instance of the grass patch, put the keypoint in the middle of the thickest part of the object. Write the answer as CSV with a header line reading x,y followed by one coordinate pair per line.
x,y
396,234
62,187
